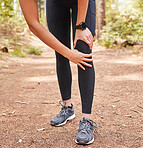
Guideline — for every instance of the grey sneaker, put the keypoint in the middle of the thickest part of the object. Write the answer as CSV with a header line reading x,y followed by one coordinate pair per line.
x,y
86,131
66,113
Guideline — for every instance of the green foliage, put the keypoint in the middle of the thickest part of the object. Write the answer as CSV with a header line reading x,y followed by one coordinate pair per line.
x,y
35,51
13,28
112,10
17,52
5,43
23,51
138,4
7,8
42,18
126,26
32,50
11,21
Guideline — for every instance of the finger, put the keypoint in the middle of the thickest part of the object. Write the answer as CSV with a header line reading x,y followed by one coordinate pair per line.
x,y
81,66
87,55
91,45
91,37
87,60
86,64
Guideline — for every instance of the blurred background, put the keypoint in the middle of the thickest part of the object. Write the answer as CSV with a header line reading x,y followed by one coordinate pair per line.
x,y
29,88
119,23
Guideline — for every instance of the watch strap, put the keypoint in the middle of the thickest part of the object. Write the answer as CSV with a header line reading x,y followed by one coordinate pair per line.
x,y
78,27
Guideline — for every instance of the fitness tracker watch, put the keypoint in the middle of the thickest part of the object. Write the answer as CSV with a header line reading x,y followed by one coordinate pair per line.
x,y
81,26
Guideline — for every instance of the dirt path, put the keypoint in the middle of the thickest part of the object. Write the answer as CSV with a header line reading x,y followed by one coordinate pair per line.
x,y
29,94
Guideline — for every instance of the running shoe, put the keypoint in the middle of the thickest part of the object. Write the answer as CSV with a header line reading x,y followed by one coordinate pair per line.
x,y
66,114
86,131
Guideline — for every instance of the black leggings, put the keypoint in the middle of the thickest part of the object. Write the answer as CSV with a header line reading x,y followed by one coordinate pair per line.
x,y
59,24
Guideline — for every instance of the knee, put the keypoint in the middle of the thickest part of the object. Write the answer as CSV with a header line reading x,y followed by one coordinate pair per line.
x,y
82,47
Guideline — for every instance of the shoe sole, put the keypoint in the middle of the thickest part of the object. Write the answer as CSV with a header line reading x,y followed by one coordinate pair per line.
x,y
69,118
81,142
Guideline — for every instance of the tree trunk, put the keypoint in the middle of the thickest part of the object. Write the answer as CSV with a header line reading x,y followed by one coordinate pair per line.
x,y
100,17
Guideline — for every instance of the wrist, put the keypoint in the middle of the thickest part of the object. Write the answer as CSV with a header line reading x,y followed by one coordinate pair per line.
x,y
68,53
81,26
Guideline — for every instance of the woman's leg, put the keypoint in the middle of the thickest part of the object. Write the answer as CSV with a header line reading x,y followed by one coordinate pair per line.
x,y
58,19
86,77
86,80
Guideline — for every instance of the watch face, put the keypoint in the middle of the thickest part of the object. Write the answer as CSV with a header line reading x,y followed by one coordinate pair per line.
x,y
83,25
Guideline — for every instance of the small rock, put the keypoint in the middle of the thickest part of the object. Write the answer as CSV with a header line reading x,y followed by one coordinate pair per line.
x,y
5,66
4,49
113,106
124,125
41,129
20,140
127,93
130,116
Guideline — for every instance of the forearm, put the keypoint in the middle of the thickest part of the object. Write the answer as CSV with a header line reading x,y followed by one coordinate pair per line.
x,y
49,39
82,9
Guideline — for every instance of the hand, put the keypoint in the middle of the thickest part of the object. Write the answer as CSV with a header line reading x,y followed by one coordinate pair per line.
x,y
80,58
84,35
